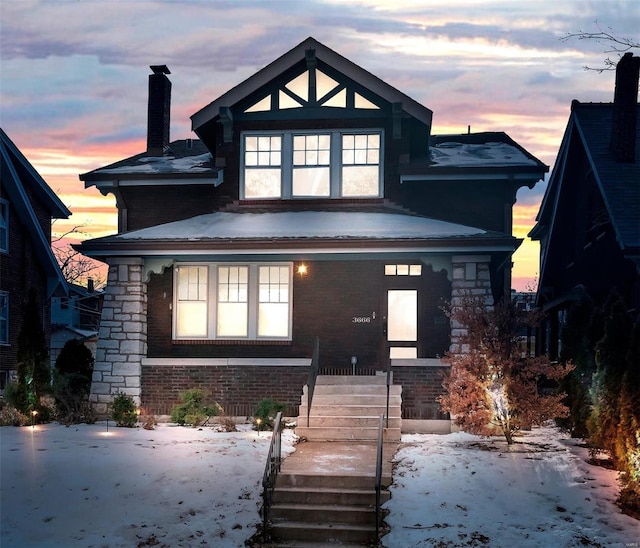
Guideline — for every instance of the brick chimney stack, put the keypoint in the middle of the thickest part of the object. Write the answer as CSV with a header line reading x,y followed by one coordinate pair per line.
x,y
159,113
625,109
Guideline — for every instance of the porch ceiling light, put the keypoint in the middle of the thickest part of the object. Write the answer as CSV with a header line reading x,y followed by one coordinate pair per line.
x,y
302,269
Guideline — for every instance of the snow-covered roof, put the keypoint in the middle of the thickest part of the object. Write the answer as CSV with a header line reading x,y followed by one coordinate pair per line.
x,y
164,164
492,154
303,224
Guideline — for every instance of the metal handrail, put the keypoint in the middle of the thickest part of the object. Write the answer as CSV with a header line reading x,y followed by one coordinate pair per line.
x,y
271,469
388,387
379,477
313,375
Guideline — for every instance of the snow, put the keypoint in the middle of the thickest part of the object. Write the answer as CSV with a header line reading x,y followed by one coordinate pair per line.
x,y
163,164
303,224
178,486
452,154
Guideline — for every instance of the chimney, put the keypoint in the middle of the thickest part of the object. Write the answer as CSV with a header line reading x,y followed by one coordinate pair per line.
x,y
90,286
625,109
159,113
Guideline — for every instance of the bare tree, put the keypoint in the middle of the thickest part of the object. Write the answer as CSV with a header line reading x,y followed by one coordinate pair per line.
x,y
612,42
76,267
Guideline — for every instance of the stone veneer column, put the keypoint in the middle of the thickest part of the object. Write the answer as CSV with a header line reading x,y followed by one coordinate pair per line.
x,y
122,340
471,277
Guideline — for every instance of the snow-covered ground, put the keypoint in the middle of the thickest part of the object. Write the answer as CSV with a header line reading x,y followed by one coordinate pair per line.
x,y
178,487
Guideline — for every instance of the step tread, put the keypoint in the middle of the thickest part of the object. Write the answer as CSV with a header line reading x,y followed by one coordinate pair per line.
x,y
323,526
323,507
329,490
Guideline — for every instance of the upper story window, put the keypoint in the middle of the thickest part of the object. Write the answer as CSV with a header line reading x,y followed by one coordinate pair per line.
x,y
332,164
4,226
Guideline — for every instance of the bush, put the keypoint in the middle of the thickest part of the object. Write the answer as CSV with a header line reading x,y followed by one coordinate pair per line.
x,y
72,383
123,410
193,410
266,412
10,416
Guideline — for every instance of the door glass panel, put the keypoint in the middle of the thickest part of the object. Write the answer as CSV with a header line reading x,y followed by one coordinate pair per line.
x,y
403,353
403,315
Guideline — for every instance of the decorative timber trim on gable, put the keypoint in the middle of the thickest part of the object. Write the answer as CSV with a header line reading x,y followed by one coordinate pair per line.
x,y
316,82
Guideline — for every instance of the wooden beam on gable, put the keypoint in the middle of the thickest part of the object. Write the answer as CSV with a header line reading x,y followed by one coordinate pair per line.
x,y
226,119
396,112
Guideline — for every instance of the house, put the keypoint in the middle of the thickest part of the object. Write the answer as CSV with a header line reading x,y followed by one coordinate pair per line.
x,y
589,220
314,204
76,316
27,205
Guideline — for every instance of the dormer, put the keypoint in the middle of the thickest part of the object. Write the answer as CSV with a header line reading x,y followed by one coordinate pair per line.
x,y
312,124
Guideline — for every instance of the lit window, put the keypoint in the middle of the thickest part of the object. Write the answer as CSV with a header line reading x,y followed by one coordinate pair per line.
x,y
248,301
4,226
300,165
273,302
311,155
191,301
232,301
262,166
360,165
402,270
4,317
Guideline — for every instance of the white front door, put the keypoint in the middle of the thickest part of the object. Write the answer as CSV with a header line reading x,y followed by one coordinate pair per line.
x,y
402,323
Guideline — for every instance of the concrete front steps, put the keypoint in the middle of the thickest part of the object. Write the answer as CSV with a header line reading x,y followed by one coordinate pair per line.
x,y
348,408
317,508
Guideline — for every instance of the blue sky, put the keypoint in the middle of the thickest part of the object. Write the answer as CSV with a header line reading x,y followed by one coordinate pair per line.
x,y
73,73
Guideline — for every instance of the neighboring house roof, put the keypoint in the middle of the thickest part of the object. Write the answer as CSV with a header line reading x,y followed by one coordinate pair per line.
x,y
484,155
186,159
619,182
295,55
17,174
257,232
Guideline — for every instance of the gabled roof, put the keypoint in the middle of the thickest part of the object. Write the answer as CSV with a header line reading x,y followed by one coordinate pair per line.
x,y
619,182
17,175
295,55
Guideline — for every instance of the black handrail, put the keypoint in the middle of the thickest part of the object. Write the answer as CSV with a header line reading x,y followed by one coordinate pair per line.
x,y
271,469
379,478
388,387
313,375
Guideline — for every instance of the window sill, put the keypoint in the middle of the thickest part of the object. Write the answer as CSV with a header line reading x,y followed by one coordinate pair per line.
x,y
232,342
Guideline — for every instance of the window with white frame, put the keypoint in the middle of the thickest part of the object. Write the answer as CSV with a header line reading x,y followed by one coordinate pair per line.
x,y
233,301
4,317
309,165
4,226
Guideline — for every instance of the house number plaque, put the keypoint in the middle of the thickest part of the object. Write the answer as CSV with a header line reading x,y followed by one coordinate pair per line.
x,y
361,319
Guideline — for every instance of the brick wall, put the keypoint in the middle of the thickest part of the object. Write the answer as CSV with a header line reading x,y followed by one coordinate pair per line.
x,y
421,386
238,388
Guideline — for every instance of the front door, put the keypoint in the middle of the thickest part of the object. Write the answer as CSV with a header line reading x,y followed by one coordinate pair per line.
x,y
401,305
402,323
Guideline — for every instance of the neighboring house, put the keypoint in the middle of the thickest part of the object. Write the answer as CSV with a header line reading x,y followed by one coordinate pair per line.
x,y
589,221
76,316
27,205
315,203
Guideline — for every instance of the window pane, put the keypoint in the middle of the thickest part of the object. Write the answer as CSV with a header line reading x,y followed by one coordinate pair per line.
x,y
232,320
4,317
402,315
273,320
311,181
360,181
389,270
262,183
403,270
415,270
191,319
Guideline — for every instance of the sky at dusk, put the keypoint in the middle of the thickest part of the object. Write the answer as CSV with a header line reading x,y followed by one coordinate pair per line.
x,y
73,73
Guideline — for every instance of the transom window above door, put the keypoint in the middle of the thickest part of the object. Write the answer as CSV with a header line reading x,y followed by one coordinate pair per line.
x,y
332,164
